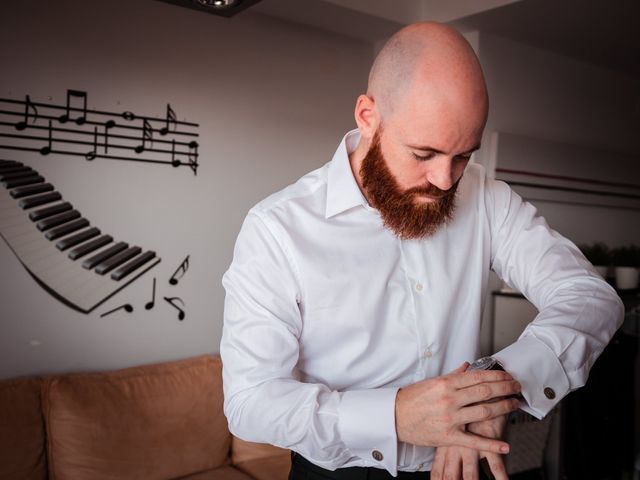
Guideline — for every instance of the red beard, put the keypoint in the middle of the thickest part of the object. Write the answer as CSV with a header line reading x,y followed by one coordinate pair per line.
x,y
400,213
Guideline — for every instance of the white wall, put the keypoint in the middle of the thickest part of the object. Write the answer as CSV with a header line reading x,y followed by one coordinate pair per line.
x,y
272,99
543,95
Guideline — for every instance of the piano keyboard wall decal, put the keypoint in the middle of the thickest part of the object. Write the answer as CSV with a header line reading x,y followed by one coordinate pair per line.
x,y
73,260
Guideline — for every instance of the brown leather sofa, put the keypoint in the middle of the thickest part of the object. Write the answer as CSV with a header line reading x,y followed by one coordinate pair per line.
x,y
161,421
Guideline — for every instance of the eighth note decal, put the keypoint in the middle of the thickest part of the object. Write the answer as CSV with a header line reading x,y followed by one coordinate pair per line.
x,y
180,271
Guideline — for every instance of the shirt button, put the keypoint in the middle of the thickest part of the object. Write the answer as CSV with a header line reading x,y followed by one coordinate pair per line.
x,y
420,466
419,287
549,393
377,455
428,353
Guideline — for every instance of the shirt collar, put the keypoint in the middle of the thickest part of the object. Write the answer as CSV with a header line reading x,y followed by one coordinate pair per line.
x,y
343,192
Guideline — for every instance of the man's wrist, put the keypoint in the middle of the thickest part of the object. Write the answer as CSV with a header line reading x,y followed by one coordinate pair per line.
x,y
485,363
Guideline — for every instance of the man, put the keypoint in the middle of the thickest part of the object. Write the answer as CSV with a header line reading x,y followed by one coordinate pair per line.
x,y
355,295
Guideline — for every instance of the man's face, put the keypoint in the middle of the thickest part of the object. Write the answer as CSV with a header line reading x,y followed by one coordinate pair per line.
x,y
414,212
412,183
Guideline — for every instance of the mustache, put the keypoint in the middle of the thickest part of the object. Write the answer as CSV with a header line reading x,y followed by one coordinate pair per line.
x,y
432,191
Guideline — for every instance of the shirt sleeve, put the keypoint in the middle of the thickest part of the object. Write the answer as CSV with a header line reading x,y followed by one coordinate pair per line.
x,y
264,398
578,311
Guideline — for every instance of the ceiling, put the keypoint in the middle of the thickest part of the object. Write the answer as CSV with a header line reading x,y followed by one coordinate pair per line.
x,y
602,32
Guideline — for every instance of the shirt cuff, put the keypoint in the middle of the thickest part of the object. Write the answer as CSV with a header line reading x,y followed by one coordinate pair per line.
x,y
536,367
367,425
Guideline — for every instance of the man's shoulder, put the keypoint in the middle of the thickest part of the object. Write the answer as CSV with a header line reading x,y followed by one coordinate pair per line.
x,y
309,191
477,182
475,172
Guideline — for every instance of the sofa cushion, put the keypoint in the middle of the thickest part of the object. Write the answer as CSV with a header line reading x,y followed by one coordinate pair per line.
x,y
222,473
22,434
242,451
275,467
154,422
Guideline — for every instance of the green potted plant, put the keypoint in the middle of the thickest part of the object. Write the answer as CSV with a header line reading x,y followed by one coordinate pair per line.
x,y
599,255
627,261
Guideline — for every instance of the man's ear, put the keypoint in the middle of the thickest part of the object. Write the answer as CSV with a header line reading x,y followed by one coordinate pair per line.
x,y
367,116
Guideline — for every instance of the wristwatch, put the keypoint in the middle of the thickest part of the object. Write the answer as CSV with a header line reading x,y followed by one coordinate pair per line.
x,y
485,363
489,363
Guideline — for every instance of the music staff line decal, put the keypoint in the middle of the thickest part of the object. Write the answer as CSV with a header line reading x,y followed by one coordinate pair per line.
x,y
109,133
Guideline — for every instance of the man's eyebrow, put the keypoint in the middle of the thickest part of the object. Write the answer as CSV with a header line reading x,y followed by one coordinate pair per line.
x,y
427,148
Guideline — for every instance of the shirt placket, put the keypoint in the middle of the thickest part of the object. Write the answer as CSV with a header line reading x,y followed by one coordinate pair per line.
x,y
417,293
416,281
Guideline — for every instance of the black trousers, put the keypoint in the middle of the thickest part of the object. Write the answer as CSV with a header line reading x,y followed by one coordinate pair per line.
x,y
303,469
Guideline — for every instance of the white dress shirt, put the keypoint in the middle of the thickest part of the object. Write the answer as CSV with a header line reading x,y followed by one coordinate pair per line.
x,y
327,313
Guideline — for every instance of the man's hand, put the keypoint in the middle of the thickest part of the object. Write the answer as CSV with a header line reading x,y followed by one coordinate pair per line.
x,y
454,463
463,463
493,428
434,412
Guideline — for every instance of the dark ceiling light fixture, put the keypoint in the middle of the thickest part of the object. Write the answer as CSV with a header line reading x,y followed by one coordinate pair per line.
x,y
224,8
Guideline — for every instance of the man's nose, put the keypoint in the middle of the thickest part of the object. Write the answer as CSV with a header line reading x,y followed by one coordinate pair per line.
x,y
441,174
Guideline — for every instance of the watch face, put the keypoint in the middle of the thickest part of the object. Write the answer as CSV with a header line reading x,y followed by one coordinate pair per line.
x,y
484,363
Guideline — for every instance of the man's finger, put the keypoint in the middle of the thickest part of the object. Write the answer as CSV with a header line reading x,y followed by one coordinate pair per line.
x,y
487,391
462,368
469,464
477,442
437,468
496,465
486,411
467,379
453,463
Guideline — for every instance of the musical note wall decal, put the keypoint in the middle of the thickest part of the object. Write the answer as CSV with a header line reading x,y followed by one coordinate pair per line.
x,y
180,271
80,119
127,308
149,305
28,106
128,116
174,161
147,136
107,126
192,156
121,132
47,150
173,302
91,154
171,120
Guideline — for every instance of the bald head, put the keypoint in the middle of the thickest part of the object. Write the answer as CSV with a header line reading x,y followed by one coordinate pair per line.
x,y
426,58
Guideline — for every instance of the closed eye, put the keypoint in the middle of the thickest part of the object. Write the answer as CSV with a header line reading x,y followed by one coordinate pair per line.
x,y
424,158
